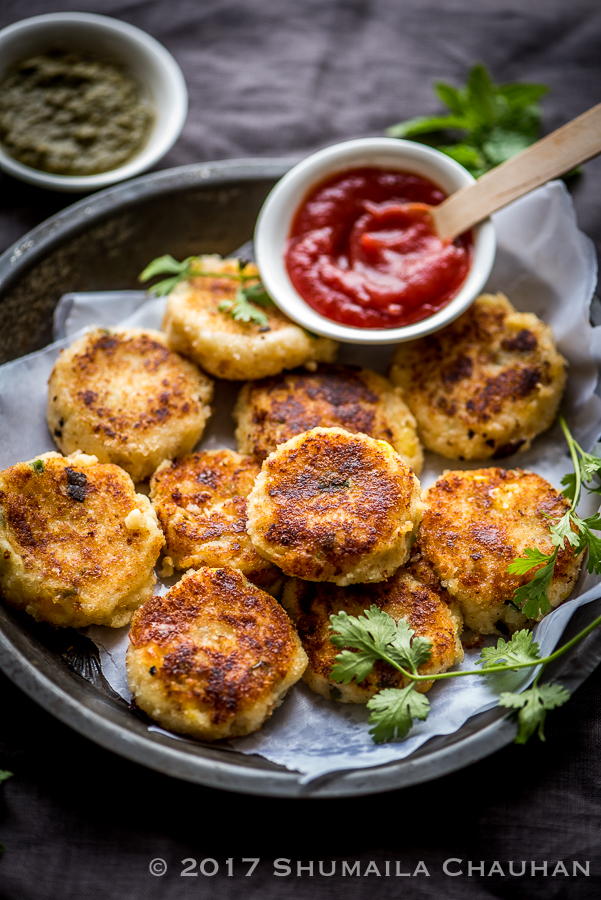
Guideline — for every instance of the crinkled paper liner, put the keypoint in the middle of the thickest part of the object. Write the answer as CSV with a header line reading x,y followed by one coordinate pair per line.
x,y
545,265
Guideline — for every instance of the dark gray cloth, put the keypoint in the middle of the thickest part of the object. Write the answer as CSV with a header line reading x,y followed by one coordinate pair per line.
x,y
270,78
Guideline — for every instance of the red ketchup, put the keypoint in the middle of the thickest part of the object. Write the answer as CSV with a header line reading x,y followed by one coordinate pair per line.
x,y
359,255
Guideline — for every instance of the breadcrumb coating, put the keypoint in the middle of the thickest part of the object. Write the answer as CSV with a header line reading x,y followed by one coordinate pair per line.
x,y
333,506
229,348
213,657
484,386
475,524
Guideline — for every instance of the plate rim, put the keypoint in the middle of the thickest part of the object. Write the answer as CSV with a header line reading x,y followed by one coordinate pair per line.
x,y
39,678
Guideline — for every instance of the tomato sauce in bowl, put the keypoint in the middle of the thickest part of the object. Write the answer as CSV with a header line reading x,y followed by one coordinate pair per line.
x,y
362,250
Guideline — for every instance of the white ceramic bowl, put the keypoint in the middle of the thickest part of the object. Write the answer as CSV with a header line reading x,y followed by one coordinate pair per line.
x,y
275,220
159,76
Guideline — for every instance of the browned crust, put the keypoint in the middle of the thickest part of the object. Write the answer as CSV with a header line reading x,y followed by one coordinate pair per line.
x,y
335,497
293,402
175,396
216,642
64,531
200,501
480,371
468,538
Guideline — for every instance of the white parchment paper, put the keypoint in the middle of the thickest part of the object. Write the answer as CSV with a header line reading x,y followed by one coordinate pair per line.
x,y
545,265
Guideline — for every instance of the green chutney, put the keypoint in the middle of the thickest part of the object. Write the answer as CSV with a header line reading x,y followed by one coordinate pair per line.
x,y
70,114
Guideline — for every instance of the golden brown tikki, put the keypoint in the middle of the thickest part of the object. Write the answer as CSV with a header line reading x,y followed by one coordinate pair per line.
x,y
200,501
271,411
127,398
407,595
213,657
199,323
484,386
77,544
333,506
475,524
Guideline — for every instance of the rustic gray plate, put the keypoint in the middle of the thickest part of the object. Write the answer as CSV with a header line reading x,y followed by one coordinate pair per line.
x,y
102,243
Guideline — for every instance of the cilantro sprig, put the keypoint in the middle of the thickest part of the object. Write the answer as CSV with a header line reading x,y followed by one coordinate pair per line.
x,y
250,291
495,121
376,636
570,530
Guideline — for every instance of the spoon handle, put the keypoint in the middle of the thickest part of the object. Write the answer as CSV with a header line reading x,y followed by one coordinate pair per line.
x,y
554,155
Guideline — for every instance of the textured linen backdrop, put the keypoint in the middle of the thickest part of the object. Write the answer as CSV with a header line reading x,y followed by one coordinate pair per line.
x,y
275,78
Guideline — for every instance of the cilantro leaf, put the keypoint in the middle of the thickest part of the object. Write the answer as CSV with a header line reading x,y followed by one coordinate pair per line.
x,y
393,711
563,531
569,481
521,565
371,631
165,265
533,705
369,634
242,311
376,635
407,649
533,597
589,466
592,541
256,293
521,648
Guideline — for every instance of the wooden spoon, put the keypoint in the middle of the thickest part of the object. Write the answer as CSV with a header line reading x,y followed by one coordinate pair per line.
x,y
554,155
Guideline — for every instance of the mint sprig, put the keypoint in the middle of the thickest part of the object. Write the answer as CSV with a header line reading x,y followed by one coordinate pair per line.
x,y
495,121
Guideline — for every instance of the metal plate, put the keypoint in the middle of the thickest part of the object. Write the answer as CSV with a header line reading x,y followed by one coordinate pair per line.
x,y
102,243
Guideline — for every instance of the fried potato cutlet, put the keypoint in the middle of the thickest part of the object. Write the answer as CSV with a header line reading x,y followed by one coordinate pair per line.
x,y
200,501
427,608
479,521
484,386
77,544
213,657
333,506
128,399
232,348
271,411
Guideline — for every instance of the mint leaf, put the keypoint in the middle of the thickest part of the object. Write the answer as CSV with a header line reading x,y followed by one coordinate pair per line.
x,y
503,143
393,711
496,121
426,125
465,155
451,96
521,648
481,95
4,774
519,95
533,705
